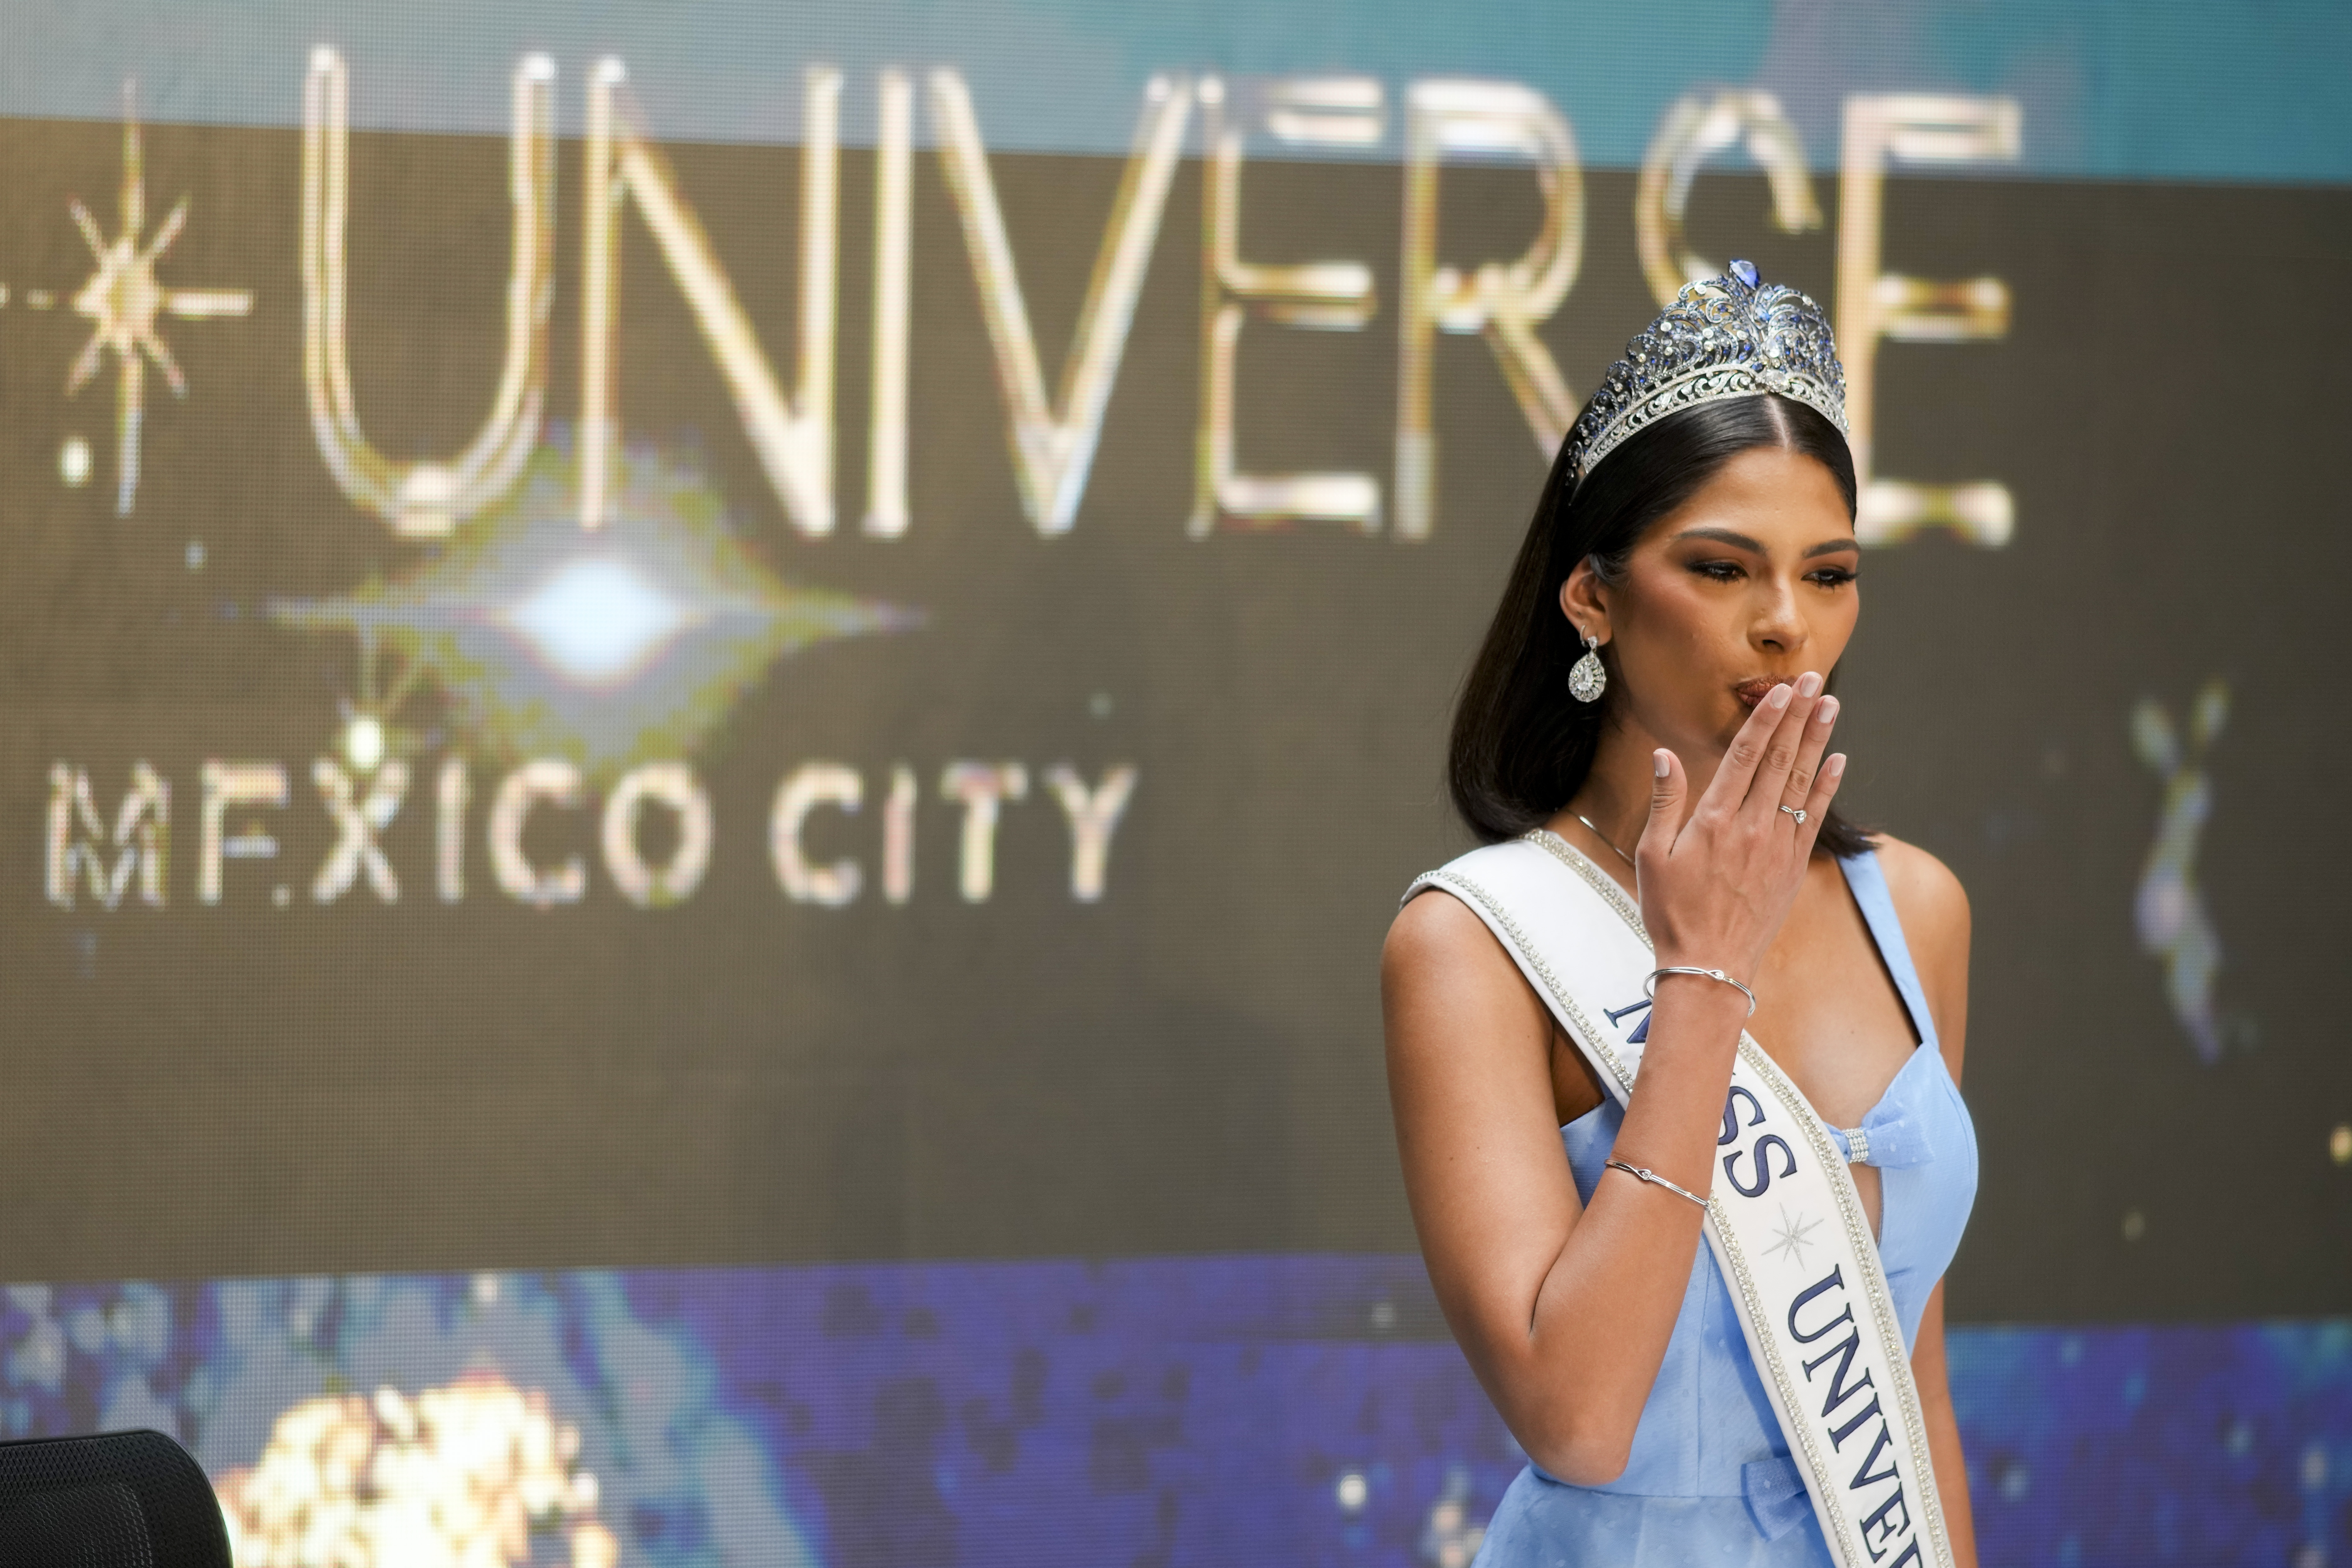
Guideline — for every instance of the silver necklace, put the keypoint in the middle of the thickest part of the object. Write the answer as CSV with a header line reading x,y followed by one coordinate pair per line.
x,y
1602,837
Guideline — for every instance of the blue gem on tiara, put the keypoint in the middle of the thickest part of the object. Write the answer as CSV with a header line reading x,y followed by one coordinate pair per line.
x,y
1733,336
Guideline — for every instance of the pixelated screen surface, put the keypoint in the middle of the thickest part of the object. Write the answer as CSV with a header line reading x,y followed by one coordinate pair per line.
x,y
711,717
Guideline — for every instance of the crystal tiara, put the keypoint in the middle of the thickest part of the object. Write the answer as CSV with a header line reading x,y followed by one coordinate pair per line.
x,y
1731,336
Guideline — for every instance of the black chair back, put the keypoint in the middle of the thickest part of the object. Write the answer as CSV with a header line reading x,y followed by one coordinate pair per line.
x,y
123,1500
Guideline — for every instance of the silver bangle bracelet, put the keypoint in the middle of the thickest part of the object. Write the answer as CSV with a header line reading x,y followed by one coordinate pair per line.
x,y
1652,1178
1650,984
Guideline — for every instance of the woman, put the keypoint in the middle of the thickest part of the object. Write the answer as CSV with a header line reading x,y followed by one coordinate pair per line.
x,y
1649,711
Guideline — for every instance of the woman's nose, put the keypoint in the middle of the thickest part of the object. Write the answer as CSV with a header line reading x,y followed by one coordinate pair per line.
x,y
1778,622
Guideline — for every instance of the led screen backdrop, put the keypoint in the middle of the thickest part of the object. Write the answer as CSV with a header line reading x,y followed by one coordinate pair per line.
x,y
710,717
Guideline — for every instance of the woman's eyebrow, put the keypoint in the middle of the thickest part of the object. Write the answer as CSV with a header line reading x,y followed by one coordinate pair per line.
x,y
1723,536
1742,542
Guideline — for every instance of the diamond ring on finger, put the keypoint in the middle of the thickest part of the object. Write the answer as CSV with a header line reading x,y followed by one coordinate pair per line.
x,y
1796,812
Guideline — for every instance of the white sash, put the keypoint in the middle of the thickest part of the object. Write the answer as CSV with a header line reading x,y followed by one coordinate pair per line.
x,y
1785,1221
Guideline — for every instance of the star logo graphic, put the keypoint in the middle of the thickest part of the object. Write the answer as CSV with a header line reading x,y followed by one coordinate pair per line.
x,y
612,648
1792,1236
124,300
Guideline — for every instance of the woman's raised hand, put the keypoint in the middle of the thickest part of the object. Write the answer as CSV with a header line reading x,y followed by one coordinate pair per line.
x,y
1717,879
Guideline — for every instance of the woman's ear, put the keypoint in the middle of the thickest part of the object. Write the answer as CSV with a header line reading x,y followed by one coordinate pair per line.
x,y
1583,600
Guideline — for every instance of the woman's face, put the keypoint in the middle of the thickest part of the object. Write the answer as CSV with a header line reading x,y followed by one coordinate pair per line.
x,y
1747,585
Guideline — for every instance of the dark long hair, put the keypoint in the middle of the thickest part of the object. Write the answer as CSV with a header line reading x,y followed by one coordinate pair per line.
x,y
1521,745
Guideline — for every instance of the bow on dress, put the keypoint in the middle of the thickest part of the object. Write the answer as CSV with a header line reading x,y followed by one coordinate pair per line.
x,y
1892,1138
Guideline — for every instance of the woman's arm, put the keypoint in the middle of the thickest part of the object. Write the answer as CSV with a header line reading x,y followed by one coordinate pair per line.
x,y
1933,910
1565,1312
1943,1432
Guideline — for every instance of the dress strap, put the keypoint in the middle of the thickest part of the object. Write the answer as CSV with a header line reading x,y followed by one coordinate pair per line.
x,y
1868,880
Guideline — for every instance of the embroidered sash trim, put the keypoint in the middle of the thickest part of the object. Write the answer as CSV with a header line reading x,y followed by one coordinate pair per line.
x,y
1812,1298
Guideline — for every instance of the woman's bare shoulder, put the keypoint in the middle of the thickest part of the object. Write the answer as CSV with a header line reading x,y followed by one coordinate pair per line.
x,y
1435,931
1439,953
1928,897
1933,910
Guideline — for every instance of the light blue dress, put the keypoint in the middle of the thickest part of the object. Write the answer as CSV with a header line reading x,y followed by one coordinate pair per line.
x,y
1710,1483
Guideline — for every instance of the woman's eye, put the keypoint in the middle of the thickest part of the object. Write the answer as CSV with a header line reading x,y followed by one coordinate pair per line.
x,y
1834,576
1720,571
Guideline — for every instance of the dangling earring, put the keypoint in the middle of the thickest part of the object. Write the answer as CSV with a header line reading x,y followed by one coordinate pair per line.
x,y
1588,678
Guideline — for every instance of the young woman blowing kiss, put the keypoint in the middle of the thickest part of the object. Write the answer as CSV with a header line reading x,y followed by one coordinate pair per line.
x,y
1707,1300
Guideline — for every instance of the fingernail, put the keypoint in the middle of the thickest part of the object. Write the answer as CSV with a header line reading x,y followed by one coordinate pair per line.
x,y
1837,766
1662,761
1808,684
1777,697
1827,710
